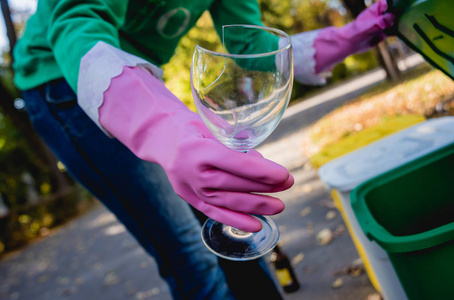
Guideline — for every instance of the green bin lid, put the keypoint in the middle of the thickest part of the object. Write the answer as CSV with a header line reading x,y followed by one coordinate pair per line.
x,y
427,26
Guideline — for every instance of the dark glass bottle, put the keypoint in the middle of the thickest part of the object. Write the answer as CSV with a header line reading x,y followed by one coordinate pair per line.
x,y
284,270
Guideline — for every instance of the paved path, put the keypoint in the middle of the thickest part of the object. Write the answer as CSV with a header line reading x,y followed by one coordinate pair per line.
x,y
94,258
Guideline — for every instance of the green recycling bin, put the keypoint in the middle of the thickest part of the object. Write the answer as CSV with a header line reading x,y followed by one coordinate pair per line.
x,y
427,26
409,212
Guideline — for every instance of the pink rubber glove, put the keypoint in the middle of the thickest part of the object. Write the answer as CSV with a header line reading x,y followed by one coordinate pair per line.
x,y
333,44
156,126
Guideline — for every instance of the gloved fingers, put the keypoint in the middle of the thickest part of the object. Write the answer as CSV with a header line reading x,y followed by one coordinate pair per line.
x,y
381,6
278,188
374,18
247,166
387,20
372,24
244,202
215,179
286,185
225,216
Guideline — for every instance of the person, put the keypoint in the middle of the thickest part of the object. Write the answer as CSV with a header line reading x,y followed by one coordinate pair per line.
x,y
90,77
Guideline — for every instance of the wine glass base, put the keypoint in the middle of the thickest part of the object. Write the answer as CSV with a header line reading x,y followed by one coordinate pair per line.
x,y
233,244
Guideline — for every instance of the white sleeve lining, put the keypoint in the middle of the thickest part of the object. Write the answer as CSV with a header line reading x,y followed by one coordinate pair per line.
x,y
304,59
97,68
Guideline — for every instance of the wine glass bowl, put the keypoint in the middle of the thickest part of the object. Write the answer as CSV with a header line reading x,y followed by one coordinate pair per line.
x,y
241,95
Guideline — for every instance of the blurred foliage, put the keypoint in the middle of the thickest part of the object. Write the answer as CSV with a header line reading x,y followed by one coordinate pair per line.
x,y
16,159
30,202
24,187
27,222
28,189
32,197
6,77
424,93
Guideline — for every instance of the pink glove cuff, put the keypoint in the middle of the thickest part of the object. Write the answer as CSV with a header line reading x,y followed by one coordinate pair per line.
x,y
97,68
304,58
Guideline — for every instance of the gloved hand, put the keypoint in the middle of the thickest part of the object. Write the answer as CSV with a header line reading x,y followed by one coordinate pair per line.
x,y
316,52
156,126
333,44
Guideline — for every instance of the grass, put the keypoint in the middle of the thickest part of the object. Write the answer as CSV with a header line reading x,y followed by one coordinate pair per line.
x,y
423,93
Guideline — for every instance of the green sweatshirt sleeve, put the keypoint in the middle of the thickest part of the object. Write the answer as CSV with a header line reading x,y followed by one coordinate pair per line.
x,y
239,41
227,12
76,26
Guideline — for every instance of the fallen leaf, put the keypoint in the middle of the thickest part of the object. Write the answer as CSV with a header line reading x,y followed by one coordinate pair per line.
x,y
374,296
356,268
330,215
307,166
297,259
328,204
307,188
147,294
355,271
284,240
324,237
304,212
111,278
339,230
337,283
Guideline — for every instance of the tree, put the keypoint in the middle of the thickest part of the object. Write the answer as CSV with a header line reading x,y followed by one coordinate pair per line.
x,y
9,23
42,155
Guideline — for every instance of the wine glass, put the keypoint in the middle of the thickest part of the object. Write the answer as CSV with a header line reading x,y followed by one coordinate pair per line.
x,y
241,95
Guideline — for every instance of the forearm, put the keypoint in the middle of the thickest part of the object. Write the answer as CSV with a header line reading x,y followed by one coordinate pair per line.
x,y
227,12
76,26
319,51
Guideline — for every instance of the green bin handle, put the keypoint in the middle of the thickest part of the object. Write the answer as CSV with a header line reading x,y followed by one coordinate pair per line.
x,y
389,242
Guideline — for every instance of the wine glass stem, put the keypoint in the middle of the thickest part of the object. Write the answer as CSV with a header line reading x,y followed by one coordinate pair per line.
x,y
235,231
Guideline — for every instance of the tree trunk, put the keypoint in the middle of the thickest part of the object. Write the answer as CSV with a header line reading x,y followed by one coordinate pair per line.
x,y
10,31
388,62
43,156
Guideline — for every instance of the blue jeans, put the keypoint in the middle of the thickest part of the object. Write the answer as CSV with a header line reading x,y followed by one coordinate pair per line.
x,y
141,197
